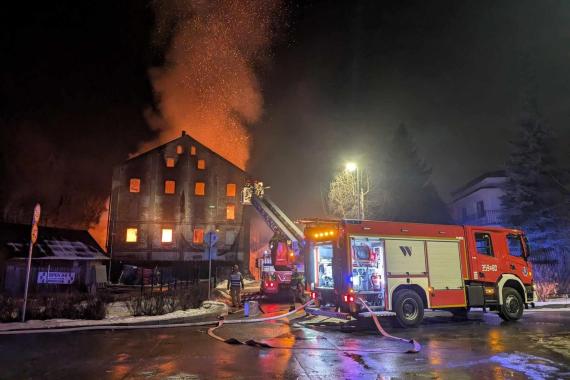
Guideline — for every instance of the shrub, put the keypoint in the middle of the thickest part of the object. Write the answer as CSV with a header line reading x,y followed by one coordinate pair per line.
x,y
164,302
59,305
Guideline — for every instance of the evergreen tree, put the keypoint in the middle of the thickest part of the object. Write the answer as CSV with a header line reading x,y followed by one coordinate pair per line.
x,y
405,181
535,198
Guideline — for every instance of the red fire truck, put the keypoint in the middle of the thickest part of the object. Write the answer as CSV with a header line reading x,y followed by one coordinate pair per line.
x,y
404,268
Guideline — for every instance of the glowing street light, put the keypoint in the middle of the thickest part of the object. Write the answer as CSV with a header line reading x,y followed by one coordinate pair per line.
x,y
351,167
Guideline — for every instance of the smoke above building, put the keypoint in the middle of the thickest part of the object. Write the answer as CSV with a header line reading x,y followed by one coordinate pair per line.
x,y
207,84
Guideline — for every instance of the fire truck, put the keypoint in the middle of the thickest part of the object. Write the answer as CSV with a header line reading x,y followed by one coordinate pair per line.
x,y
285,245
404,268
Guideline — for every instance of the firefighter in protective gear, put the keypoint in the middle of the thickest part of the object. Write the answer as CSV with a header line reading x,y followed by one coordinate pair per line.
x,y
235,285
297,287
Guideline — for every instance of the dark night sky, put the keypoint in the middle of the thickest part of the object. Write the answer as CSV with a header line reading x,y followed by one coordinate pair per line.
x,y
342,76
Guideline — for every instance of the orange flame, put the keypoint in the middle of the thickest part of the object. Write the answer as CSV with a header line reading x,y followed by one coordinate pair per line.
x,y
208,85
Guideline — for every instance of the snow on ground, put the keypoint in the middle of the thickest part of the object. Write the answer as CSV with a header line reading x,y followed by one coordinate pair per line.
x,y
208,308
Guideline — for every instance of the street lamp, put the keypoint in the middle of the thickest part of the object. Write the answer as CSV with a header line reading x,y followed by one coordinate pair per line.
x,y
353,167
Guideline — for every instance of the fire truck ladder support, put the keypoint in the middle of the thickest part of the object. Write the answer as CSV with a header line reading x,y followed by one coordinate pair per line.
x,y
276,219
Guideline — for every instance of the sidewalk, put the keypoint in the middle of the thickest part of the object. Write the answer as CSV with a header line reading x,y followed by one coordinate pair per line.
x,y
209,310
554,303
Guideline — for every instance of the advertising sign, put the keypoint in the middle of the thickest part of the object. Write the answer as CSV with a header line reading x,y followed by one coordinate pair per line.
x,y
56,277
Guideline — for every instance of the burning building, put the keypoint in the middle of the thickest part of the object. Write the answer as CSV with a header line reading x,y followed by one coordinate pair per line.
x,y
165,201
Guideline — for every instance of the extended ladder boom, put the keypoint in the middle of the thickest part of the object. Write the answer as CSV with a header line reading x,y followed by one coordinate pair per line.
x,y
276,219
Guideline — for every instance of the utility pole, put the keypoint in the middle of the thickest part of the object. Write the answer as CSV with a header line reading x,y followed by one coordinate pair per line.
x,y
33,239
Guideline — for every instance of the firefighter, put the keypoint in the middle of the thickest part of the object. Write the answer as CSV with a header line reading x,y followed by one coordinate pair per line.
x,y
297,287
235,285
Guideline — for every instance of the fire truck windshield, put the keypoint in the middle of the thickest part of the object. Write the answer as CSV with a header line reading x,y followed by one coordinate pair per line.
x,y
323,258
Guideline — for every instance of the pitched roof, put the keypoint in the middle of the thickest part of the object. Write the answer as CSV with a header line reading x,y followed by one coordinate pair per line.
x,y
183,136
493,174
52,243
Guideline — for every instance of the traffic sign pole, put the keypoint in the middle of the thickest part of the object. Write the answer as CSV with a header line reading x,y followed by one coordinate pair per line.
x,y
33,239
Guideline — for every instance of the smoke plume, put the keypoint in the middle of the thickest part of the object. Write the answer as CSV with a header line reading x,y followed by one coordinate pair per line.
x,y
208,84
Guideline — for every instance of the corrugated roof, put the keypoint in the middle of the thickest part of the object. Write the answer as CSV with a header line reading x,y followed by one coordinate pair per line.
x,y
52,243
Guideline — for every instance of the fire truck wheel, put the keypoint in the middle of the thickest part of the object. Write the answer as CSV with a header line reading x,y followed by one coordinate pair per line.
x,y
409,308
513,306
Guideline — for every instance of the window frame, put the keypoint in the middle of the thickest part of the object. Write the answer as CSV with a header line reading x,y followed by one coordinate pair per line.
x,y
201,164
162,230
203,186
127,235
491,248
179,149
481,211
232,186
195,231
192,150
166,181
138,187
170,160
232,207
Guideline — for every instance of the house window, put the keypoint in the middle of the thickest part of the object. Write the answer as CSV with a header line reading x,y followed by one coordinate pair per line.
x,y
132,234
169,187
231,189
169,162
135,185
179,149
167,235
480,209
230,212
230,237
198,236
201,164
483,243
200,188
192,150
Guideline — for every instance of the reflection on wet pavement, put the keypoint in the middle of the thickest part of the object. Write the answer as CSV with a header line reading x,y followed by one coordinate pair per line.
x,y
537,347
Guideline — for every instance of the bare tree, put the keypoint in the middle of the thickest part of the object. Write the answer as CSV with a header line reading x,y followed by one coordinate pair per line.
x,y
343,196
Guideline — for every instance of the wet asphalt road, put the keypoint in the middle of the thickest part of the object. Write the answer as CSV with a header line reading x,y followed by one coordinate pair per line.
x,y
537,347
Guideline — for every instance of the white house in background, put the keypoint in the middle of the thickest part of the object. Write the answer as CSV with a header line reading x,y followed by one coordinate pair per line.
x,y
479,201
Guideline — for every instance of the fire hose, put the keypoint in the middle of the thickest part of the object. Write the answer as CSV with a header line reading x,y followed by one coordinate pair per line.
x,y
416,346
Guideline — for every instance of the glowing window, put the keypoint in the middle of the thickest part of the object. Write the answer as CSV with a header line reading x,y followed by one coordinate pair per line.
x,y
135,185
201,164
167,235
200,188
132,235
198,237
170,162
169,187
179,149
230,212
231,189
192,150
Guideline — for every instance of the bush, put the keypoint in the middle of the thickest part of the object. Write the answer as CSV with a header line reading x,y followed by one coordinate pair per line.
x,y
60,305
164,302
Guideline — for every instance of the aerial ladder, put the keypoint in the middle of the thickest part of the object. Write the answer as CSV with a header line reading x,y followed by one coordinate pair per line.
x,y
285,245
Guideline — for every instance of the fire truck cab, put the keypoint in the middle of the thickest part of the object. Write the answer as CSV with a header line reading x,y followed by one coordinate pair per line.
x,y
404,268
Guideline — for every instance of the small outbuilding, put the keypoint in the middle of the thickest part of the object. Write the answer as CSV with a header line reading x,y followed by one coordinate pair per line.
x,y
62,259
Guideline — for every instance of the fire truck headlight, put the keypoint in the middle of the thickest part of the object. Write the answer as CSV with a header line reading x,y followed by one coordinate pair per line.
x,y
489,291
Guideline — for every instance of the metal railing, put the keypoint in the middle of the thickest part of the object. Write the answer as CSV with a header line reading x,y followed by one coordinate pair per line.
x,y
489,218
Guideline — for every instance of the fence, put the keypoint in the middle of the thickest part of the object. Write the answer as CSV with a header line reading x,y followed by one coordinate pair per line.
x,y
552,266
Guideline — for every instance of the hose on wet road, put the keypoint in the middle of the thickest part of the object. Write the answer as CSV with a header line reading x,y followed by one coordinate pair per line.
x,y
416,347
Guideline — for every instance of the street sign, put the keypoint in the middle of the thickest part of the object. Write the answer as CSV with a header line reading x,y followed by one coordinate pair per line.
x,y
33,239
211,239
34,233
37,214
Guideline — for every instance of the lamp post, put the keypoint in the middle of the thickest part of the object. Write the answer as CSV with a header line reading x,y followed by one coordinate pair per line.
x,y
353,167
